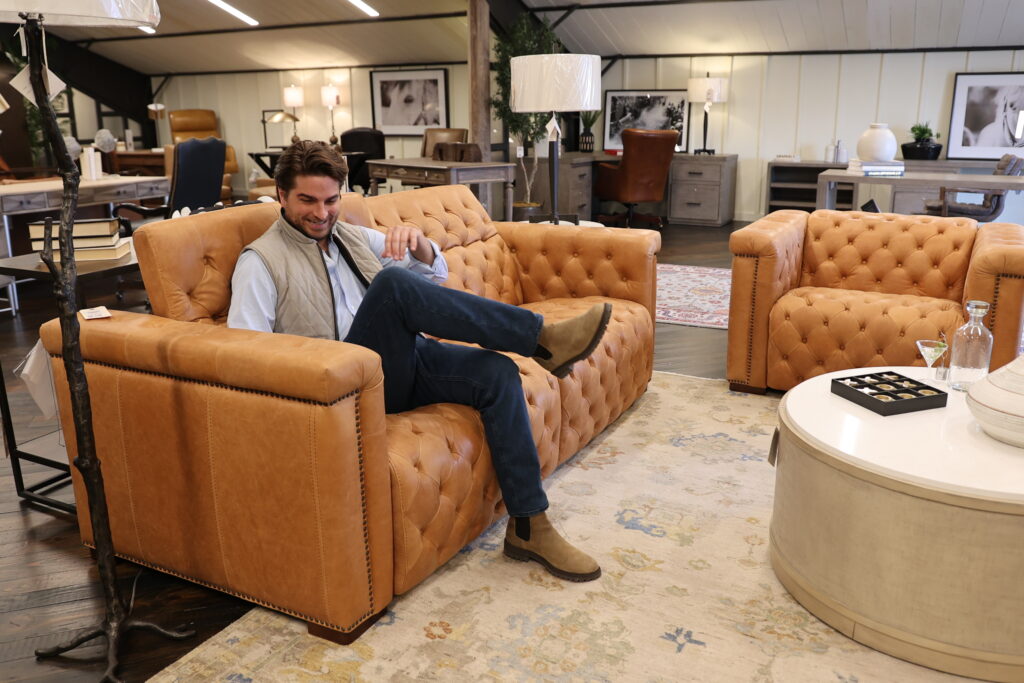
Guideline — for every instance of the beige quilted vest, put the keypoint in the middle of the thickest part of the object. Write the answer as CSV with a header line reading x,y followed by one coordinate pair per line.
x,y
305,300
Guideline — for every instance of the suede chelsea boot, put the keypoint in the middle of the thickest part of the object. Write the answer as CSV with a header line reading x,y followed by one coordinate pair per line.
x,y
534,538
561,344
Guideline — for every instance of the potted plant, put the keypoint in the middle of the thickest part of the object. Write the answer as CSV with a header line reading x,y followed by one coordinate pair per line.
x,y
588,119
525,38
924,145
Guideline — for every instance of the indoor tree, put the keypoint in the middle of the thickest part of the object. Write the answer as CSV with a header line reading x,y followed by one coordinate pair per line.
x,y
526,37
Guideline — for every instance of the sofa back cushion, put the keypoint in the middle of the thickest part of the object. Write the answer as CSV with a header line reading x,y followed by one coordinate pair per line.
x,y
890,253
187,263
479,260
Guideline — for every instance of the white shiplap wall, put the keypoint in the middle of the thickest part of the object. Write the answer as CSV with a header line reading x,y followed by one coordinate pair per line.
x,y
239,99
777,104
798,104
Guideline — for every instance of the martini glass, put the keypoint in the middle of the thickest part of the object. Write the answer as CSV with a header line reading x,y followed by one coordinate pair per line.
x,y
931,350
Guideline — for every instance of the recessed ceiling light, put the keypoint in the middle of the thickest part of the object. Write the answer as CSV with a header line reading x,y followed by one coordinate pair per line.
x,y
363,6
147,29
234,12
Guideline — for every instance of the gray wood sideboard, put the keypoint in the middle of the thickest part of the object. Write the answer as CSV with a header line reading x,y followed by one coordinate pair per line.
x,y
702,189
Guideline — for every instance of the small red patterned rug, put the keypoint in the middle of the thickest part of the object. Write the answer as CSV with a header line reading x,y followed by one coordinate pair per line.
x,y
693,295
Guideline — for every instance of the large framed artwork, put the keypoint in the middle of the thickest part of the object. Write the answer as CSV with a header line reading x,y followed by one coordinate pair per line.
x,y
408,102
988,116
650,109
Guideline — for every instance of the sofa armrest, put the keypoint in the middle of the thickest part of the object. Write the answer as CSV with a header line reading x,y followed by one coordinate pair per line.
x,y
570,261
767,256
996,275
250,462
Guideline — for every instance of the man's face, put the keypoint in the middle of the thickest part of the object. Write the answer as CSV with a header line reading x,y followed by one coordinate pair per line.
x,y
312,205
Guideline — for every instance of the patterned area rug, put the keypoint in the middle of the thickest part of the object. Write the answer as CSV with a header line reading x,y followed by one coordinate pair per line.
x,y
674,500
693,295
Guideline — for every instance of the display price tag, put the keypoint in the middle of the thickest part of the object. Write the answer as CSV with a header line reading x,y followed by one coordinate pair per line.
x,y
94,313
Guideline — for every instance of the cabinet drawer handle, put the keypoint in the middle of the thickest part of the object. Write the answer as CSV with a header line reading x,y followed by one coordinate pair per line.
x,y
693,203
695,172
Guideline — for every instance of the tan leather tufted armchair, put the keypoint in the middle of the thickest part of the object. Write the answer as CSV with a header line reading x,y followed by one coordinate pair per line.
x,y
813,293
263,465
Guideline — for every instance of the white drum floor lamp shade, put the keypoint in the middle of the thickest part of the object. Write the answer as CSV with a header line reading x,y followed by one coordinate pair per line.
x,y
126,13
554,83
709,91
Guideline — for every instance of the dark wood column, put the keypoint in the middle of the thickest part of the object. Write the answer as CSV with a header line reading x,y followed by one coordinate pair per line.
x,y
480,87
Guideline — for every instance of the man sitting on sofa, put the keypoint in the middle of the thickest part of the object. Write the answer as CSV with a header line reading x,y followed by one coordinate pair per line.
x,y
315,276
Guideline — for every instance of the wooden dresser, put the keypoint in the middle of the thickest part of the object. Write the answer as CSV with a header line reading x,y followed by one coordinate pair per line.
x,y
702,189
576,178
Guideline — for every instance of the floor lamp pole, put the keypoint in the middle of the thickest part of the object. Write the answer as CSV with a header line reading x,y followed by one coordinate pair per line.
x,y
553,145
116,621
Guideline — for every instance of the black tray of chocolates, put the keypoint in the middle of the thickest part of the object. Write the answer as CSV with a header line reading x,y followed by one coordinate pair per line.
x,y
888,393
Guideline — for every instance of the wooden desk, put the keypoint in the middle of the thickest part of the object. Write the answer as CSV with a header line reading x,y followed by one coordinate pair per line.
x,y
426,171
828,183
146,162
45,196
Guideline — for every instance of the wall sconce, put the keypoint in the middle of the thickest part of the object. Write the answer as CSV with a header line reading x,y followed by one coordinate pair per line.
x,y
294,96
330,98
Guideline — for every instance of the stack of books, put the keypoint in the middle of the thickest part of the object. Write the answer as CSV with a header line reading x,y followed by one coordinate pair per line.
x,y
95,239
883,168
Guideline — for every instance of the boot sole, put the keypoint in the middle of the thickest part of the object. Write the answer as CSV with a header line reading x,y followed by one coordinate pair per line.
x,y
521,555
565,368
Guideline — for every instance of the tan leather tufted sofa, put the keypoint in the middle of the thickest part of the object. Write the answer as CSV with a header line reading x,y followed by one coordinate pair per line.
x,y
263,465
813,293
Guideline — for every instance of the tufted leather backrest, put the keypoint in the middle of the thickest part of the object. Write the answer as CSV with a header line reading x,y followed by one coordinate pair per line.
x,y
479,261
891,253
187,263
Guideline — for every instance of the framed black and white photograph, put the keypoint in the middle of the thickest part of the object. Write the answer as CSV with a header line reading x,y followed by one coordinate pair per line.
x,y
648,109
988,116
407,102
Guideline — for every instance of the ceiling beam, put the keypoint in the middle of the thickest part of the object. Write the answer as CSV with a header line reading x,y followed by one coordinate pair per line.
x,y
386,65
278,27
621,4
801,53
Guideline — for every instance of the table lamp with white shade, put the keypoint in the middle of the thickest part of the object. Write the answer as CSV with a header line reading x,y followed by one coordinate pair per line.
x,y
330,97
709,91
555,83
294,97
32,15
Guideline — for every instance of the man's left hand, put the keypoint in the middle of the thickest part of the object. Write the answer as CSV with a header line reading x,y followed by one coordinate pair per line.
x,y
402,237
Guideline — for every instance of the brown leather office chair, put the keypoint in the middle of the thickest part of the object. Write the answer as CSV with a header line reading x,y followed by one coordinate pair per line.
x,y
640,176
432,136
202,123
992,203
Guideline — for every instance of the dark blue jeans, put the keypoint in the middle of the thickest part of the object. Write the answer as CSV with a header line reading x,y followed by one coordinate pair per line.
x,y
398,306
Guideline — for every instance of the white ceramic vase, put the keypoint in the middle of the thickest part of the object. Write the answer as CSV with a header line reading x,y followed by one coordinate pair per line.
x,y
997,402
877,143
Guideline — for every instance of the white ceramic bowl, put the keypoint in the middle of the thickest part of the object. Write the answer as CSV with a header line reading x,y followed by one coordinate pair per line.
x,y
997,402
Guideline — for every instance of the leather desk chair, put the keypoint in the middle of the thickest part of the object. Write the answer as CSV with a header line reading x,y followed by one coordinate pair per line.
x,y
432,136
198,166
370,142
992,203
202,123
641,176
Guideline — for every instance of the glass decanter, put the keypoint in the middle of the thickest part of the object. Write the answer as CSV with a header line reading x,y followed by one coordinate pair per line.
x,y
972,349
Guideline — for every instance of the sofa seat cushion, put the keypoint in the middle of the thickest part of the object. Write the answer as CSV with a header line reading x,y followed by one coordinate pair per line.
x,y
444,492
814,330
601,387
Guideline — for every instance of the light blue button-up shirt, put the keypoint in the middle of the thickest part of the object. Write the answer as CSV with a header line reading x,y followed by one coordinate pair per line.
x,y
254,296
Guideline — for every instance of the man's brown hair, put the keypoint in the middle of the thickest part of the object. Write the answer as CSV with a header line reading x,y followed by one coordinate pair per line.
x,y
309,157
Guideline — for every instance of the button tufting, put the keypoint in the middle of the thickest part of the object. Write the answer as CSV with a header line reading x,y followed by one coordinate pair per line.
x,y
804,340
842,347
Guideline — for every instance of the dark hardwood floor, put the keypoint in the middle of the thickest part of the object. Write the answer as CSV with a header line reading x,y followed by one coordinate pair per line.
x,y
48,583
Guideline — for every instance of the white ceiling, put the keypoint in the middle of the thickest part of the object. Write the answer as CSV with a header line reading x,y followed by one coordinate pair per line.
x,y
722,27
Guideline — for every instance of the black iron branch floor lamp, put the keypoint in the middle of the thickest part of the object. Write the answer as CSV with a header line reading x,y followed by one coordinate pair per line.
x,y
132,13
555,83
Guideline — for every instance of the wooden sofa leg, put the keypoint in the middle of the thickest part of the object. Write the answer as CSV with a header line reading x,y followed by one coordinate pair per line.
x,y
341,637
746,388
